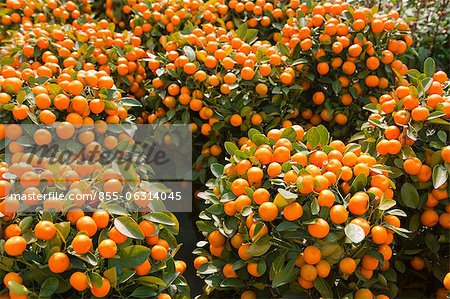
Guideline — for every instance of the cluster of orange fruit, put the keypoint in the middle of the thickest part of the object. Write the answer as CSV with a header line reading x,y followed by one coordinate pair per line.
x,y
295,213
164,18
85,250
322,64
400,124
83,173
84,238
356,47
19,12
408,130
76,74
201,73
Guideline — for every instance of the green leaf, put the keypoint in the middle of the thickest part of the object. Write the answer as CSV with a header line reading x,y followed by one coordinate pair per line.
x,y
337,86
386,204
144,292
128,227
160,217
17,289
286,275
440,176
230,147
315,208
63,229
232,283
313,137
435,114
397,212
240,32
429,67
131,102
152,280
409,195
354,232
260,246
96,279
132,256
287,194
324,135
25,223
358,183
217,169
290,134
432,242
111,275
189,53
251,35
323,287
400,266
49,287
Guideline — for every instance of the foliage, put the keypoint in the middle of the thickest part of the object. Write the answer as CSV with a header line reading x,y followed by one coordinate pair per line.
x,y
327,209
429,22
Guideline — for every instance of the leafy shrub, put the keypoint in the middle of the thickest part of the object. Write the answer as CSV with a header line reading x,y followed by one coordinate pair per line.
x,y
92,243
416,116
287,217
429,21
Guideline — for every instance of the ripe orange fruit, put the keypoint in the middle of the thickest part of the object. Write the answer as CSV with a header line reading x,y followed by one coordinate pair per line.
x,y
323,269
216,238
412,166
312,255
200,260
385,251
147,227
101,291
319,229
45,230
87,224
107,248
379,234
308,272
445,154
446,281
358,203
11,231
180,266
338,214
248,295
12,276
347,265
101,218
79,281
261,196
293,211
81,244
268,211
369,262
15,245
143,269
429,218
228,271
247,73
58,262
417,263
117,236
236,120
363,294
326,198
238,186
158,253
